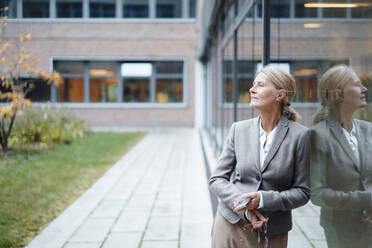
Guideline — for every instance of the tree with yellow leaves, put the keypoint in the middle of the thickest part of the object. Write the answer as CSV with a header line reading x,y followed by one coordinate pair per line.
x,y
15,60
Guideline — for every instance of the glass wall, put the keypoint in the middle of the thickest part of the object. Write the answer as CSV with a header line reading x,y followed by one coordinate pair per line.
x,y
307,47
329,40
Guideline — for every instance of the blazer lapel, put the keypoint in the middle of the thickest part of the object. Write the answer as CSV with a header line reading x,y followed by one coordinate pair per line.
x,y
278,139
340,137
255,139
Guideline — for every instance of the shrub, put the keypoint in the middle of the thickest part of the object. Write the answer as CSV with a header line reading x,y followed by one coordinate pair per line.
x,y
47,125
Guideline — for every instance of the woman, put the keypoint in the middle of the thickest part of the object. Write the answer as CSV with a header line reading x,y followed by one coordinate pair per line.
x,y
270,157
341,168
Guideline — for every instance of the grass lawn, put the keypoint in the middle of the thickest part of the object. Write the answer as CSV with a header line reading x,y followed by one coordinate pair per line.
x,y
38,184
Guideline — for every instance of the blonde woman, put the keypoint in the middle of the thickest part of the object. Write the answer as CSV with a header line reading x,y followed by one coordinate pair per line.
x,y
270,157
341,167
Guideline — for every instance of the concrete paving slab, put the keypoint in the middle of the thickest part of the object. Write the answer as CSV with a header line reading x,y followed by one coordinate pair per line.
x,y
93,230
82,245
123,240
160,244
131,222
107,209
163,228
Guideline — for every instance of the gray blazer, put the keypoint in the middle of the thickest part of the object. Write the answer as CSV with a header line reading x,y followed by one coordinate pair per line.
x,y
283,180
340,184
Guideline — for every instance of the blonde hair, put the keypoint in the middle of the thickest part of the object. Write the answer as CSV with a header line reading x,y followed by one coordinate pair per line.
x,y
333,80
282,81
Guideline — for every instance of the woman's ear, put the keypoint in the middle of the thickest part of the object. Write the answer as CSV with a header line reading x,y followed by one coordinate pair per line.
x,y
281,95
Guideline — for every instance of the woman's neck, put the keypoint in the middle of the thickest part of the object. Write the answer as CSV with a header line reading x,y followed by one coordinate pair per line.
x,y
269,120
344,117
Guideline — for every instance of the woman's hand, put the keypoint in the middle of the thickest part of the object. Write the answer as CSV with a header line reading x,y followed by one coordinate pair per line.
x,y
255,196
256,218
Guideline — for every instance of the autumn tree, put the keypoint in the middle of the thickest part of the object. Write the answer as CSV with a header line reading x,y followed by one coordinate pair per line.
x,y
15,60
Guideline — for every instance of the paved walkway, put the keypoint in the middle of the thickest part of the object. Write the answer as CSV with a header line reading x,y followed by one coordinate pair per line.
x,y
155,196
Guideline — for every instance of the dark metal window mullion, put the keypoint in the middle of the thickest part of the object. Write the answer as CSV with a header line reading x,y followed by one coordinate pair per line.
x,y
266,32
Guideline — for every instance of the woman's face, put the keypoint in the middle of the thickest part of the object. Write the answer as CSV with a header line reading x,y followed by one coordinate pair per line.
x,y
263,93
355,94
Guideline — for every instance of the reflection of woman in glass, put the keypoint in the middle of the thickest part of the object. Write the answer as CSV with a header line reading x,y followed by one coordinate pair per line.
x,y
270,157
341,158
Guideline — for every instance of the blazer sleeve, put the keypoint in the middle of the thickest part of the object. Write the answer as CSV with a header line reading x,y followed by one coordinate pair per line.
x,y
321,193
299,193
219,182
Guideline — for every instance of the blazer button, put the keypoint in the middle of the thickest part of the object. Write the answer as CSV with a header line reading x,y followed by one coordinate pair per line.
x,y
258,178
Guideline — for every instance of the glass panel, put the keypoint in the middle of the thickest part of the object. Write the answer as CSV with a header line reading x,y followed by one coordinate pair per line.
x,y
302,12
137,90
103,89
35,8
37,90
69,9
335,10
102,69
363,9
102,8
169,67
168,8
135,8
71,90
69,67
192,8
168,90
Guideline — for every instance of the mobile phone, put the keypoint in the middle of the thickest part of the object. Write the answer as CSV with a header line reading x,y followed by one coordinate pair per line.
x,y
242,204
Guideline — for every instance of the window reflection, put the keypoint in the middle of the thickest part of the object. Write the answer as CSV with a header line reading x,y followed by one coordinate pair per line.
x,y
69,67
363,11
69,9
35,8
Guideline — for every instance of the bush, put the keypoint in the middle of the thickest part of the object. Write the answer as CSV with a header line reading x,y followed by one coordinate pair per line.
x,y
42,125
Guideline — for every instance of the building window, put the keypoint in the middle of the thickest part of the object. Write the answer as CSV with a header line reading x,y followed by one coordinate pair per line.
x,y
168,8
278,8
339,12
363,10
69,8
302,12
169,77
192,8
103,81
37,90
116,81
102,9
72,88
35,8
12,8
135,8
